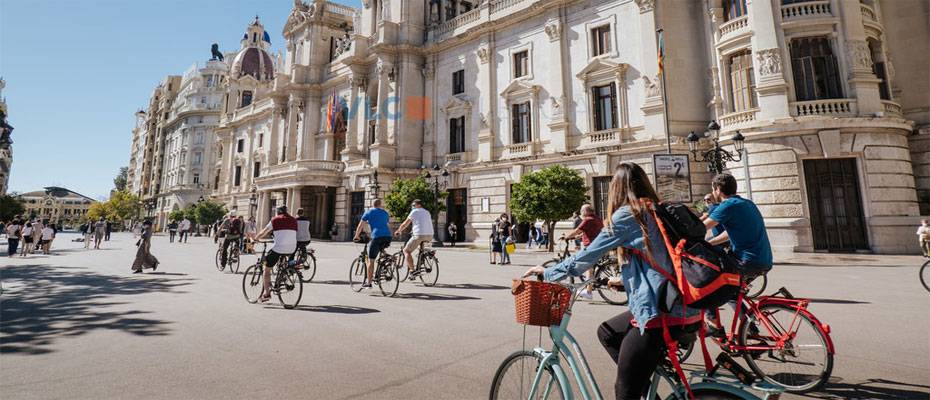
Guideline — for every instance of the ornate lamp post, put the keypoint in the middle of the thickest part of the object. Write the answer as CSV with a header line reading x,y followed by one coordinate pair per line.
x,y
437,185
253,201
373,185
717,157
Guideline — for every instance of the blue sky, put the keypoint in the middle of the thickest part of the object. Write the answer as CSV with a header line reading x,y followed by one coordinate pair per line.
x,y
76,71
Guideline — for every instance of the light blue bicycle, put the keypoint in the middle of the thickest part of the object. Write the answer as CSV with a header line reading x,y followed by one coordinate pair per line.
x,y
540,374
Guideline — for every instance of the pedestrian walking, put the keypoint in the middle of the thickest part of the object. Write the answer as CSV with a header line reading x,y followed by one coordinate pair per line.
x,y
576,220
106,236
27,239
184,230
503,232
144,258
531,237
495,244
100,230
172,230
453,233
14,233
88,230
923,237
250,231
48,234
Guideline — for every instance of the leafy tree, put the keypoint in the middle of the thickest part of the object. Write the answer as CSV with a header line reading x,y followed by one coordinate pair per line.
x,y
124,206
10,207
100,209
404,191
550,194
122,178
176,215
208,211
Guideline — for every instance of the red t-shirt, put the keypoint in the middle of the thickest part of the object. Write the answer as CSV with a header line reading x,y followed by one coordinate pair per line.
x,y
590,228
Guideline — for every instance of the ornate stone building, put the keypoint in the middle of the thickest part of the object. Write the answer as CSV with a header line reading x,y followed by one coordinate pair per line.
x,y
6,143
56,205
836,144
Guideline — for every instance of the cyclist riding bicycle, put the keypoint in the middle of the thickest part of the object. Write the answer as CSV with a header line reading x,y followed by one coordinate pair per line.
x,y
377,219
284,228
232,229
421,232
589,227
303,231
634,339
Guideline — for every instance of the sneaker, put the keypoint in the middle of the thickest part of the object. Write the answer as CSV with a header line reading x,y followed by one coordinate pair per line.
x,y
586,294
714,332
366,285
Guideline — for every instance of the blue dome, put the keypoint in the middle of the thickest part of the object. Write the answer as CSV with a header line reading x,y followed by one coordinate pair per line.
x,y
266,37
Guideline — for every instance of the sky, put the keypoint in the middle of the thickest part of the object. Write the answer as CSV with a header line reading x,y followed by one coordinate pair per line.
x,y
77,70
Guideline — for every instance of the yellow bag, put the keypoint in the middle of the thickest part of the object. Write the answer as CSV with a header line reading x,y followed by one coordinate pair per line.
x,y
510,247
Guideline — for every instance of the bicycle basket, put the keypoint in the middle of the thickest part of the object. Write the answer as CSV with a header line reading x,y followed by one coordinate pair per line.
x,y
539,303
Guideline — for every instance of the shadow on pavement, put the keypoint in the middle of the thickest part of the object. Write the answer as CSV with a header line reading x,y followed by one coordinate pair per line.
x,y
433,296
872,389
333,309
469,286
53,302
332,282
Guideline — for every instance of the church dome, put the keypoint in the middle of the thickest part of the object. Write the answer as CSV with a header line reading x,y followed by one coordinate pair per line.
x,y
255,62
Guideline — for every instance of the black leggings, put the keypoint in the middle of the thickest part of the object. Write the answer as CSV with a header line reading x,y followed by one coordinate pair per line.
x,y
637,354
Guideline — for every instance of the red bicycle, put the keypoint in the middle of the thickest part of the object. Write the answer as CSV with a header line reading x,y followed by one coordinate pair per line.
x,y
780,339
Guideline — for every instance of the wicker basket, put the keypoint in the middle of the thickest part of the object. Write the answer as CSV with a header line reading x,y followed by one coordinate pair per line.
x,y
539,303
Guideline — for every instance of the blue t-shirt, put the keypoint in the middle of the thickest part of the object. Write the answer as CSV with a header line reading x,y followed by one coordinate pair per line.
x,y
717,230
377,219
743,221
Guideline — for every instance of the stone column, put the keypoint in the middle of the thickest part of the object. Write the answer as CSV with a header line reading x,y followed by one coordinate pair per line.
x,y
559,127
274,141
294,200
356,116
311,128
653,107
429,124
261,214
863,85
769,59
293,110
487,105
383,151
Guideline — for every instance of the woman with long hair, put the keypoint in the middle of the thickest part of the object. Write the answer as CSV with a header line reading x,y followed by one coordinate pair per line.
x,y
634,339
144,258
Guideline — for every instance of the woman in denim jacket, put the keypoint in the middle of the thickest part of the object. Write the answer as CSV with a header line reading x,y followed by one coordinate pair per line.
x,y
638,351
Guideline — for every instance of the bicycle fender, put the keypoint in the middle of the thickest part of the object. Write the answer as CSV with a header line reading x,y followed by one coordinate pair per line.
x,y
716,387
563,381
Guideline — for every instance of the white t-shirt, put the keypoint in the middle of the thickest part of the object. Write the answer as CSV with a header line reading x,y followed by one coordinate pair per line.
x,y
48,233
285,234
27,231
422,222
185,225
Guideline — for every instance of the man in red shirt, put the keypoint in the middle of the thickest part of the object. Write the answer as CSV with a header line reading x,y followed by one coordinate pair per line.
x,y
284,228
588,229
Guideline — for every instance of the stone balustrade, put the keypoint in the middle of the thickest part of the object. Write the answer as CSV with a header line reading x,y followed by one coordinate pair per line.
x,y
735,120
608,137
455,157
501,5
339,9
292,167
809,9
892,109
830,107
868,14
734,27
518,150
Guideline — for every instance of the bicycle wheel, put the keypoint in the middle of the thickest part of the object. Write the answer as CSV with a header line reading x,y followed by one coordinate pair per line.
x,y
514,379
757,286
219,260
234,260
252,283
289,287
402,272
711,394
685,350
386,276
357,274
925,275
429,271
805,362
309,267
612,296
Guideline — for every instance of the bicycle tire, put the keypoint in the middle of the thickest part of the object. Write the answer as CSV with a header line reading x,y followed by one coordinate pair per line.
x,y
402,272
289,287
524,363
386,275
429,271
252,283
711,394
757,286
685,350
760,361
925,276
611,296
309,269
357,274
219,260
234,263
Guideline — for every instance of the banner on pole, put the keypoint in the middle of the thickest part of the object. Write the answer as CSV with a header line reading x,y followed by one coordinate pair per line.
x,y
673,177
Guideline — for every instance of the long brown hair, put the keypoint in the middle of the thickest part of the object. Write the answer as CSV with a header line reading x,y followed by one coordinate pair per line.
x,y
630,186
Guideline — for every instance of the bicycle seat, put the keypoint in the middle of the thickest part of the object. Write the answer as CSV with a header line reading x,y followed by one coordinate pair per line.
x,y
360,241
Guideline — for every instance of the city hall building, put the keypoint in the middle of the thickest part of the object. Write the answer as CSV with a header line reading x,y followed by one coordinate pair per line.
x,y
831,96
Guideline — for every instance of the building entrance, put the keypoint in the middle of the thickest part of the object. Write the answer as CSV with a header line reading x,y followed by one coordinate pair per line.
x,y
834,197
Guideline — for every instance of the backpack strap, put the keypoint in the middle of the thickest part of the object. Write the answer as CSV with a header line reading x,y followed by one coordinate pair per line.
x,y
672,346
702,336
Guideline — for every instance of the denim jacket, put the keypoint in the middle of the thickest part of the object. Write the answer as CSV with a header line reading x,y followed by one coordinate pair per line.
x,y
640,280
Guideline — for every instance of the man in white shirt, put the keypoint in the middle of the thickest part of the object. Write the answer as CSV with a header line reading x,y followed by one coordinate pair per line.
x,y
303,230
184,230
284,228
422,231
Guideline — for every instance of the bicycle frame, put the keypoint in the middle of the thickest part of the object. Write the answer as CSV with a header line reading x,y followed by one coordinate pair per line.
x,y
754,306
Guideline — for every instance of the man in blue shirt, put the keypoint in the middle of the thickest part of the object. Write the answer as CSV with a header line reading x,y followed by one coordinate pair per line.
x,y
743,226
377,219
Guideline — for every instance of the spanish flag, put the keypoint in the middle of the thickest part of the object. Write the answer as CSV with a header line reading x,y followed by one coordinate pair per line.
x,y
661,39
332,110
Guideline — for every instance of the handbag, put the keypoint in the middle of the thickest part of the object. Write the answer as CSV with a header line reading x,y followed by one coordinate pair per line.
x,y
510,247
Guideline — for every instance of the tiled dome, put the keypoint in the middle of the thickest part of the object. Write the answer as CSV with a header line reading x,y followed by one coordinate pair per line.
x,y
255,62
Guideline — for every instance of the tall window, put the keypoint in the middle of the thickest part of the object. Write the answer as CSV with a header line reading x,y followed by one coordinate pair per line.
x,y
198,158
196,178
878,68
600,37
246,98
521,64
198,138
816,73
733,9
457,135
458,82
237,177
256,169
216,180
240,145
742,82
520,119
605,107
261,139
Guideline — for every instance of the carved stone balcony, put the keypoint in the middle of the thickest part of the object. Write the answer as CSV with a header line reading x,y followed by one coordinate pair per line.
x,y
734,28
830,108
892,109
737,120
604,138
805,10
518,150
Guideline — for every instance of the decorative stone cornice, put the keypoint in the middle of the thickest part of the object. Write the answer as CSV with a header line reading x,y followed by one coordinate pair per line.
x,y
553,30
646,5
769,61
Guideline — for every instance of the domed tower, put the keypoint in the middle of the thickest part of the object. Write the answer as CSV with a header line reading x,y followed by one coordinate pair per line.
x,y
253,58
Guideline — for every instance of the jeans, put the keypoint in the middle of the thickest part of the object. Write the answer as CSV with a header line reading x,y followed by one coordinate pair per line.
x,y
233,240
505,257
171,234
12,246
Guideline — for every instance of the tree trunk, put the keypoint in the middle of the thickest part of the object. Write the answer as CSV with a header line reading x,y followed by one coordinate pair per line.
x,y
550,226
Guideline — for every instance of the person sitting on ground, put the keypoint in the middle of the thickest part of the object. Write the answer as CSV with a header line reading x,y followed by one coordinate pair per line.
x,y
421,232
377,219
284,228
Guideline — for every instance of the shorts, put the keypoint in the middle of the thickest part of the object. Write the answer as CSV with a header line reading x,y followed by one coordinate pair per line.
x,y
415,241
28,239
376,245
751,269
271,259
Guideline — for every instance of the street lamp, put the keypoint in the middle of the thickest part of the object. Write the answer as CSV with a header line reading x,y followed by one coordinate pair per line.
x,y
436,185
717,157
252,201
373,185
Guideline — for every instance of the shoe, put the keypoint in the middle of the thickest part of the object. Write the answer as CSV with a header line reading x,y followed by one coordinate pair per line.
x,y
137,271
154,267
586,294
714,332
366,285
493,262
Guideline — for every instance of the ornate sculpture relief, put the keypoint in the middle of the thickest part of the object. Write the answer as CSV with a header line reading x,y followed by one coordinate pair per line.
x,y
646,5
484,54
484,120
428,71
859,55
555,105
554,30
652,86
366,3
769,62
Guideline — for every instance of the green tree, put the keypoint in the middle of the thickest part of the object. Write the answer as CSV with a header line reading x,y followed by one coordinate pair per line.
x,y
121,179
124,206
550,194
10,207
208,211
176,215
100,209
404,191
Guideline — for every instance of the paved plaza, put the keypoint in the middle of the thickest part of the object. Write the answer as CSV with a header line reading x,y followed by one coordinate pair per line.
x,y
78,325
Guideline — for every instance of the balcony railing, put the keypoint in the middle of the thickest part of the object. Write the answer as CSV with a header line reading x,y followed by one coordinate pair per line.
x,y
810,9
458,21
868,14
735,26
501,5
830,107
519,150
608,137
891,108
340,9
294,167
736,119
455,157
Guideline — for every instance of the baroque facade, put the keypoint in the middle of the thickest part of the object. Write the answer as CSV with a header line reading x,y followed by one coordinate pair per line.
x,y
6,144
837,146
56,205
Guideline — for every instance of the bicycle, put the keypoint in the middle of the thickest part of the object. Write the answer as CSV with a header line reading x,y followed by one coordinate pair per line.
x,y
925,275
232,258
385,272
287,283
768,348
607,267
540,373
306,258
426,267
